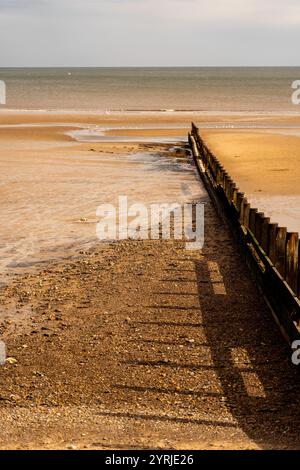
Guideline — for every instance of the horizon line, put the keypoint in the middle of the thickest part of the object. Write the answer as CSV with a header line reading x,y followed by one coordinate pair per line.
x,y
140,66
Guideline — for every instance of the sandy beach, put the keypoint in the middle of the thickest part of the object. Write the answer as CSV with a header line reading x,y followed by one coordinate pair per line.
x,y
149,232
265,165
105,339
146,304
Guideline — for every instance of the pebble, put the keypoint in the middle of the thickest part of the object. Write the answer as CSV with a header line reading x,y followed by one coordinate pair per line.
x,y
11,360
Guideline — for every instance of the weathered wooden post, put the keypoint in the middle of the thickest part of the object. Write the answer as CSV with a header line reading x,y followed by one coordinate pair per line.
x,y
259,218
219,173
246,214
221,176
234,196
214,168
280,258
298,287
226,176
265,234
231,188
272,242
292,260
252,216
239,199
194,146
223,182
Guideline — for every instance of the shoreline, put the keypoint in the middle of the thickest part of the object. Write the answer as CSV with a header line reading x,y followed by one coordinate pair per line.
x,y
275,112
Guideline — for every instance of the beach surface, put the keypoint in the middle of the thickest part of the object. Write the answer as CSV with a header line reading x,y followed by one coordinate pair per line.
x,y
136,344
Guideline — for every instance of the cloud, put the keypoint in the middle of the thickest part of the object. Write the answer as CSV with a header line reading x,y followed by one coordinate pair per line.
x,y
149,32
20,4
248,12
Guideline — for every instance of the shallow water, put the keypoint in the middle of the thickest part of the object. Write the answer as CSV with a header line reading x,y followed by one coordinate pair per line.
x,y
48,208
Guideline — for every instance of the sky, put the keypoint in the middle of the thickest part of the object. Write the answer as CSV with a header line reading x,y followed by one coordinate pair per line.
x,y
105,33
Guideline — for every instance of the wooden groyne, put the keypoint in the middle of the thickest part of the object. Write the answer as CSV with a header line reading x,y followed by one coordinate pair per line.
x,y
271,252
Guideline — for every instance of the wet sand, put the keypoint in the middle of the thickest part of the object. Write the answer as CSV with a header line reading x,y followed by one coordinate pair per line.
x,y
266,166
56,168
51,186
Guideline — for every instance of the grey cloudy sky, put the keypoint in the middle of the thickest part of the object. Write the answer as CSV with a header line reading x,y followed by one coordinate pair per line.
x,y
149,32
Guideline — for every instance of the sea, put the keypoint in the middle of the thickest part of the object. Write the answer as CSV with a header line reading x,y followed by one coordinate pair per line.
x,y
204,89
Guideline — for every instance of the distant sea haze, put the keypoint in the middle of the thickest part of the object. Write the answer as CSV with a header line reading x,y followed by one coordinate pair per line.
x,y
152,89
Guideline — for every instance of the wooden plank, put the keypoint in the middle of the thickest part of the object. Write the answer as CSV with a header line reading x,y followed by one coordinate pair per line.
x,y
224,177
221,176
239,199
298,287
259,218
252,217
246,214
234,195
231,187
280,258
218,175
272,242
241,210
194,146
265,234
292,260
